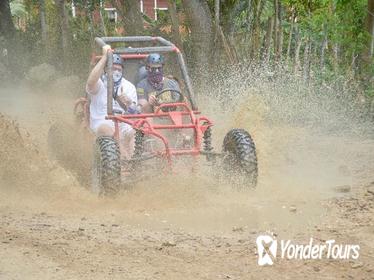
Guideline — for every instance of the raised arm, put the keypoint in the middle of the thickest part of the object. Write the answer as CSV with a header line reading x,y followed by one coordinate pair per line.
x,y
97,71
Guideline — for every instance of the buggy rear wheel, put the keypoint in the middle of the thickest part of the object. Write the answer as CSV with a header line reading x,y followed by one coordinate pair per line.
x,y
106,171
241,159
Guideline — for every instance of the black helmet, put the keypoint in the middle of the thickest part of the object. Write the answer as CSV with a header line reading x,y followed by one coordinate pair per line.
x,y
117,59
155,59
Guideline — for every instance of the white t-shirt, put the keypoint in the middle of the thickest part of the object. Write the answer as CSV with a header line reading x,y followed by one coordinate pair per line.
x,y
98,109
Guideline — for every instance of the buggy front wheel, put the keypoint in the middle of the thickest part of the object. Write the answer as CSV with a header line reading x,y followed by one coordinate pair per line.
x,y
106,169
240,161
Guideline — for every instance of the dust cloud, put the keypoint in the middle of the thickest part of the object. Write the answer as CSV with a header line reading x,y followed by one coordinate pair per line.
x,y
309,141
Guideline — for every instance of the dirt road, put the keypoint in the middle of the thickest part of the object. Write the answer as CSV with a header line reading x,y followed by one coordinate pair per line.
x,y
184,227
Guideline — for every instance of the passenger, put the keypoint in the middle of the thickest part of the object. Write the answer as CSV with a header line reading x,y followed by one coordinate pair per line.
x,y
124,97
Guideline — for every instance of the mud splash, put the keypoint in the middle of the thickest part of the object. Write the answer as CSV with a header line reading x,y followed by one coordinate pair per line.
x,y
307,145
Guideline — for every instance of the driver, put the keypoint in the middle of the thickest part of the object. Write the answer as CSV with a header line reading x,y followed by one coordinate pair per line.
x,y
154,83
124,97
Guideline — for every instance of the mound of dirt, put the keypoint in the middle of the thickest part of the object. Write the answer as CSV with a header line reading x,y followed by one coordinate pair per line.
x,y
71,148
22,165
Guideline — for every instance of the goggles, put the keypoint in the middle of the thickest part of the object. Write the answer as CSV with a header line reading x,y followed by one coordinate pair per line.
x,y
155,69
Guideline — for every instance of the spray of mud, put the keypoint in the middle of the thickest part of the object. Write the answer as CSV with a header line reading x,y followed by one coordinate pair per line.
x,y
308,143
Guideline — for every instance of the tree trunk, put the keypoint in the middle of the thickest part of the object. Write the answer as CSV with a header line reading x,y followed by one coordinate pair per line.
x,y
248,35
228,26
43,24
323,47
335,45
297,51
367,54
218,34
278,40
336,50
175,24
249,14
256,31
291,34
132,12
63,29
102,23
90,22
370,27
306,64
198,14
229,50
7,28
129,11
280,30
11,46
267,40
216,16
353,66
372,40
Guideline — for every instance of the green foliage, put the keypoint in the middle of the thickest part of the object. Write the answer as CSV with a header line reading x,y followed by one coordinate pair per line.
x,y
18,8
338,23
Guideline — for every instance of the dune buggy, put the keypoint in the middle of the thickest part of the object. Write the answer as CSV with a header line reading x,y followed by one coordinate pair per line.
x,y
174,130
